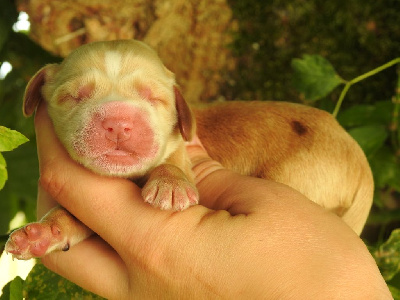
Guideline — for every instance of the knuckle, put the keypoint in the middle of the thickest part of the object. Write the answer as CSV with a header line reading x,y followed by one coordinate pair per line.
x,y
52,180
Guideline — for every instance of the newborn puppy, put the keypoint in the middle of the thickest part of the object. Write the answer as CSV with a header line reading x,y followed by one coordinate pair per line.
x,y
117,111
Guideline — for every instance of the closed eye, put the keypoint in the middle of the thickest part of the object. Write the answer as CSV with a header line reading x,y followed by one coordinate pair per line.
x,y
83,92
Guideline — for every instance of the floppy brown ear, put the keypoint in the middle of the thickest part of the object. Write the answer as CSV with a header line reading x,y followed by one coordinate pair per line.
x,y
186,120
33,92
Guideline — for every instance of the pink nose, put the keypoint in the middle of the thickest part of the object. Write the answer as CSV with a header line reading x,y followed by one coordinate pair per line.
x,y
117,130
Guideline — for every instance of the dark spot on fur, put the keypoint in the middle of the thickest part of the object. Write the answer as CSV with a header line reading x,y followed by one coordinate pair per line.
x,y
299,128
66,247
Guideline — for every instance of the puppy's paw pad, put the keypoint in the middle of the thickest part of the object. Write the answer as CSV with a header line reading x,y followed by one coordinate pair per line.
x,y
170,193
32,240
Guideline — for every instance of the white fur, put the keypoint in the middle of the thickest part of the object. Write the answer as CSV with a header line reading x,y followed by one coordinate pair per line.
x,y
112,64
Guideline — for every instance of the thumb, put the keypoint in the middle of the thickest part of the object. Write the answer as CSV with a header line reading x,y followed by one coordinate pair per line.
x,y
223,189
214,183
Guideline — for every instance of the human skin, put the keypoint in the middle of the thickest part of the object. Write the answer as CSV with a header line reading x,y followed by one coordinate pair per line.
x,y
250,238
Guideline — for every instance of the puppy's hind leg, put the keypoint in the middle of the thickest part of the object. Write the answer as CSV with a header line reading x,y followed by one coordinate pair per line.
x,y
57,230
357,214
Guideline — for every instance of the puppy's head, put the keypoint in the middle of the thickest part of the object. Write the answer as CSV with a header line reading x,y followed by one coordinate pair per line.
x,y
114,106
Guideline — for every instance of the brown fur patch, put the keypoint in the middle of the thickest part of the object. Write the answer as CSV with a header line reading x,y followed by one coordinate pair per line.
x,y
299,128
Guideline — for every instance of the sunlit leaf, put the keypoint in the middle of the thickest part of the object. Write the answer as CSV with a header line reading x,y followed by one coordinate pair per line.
x,y
10,139
3,171
13,290
42,284
314,76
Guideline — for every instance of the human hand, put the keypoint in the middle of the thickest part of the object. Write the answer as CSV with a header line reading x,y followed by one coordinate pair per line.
x,y
249,238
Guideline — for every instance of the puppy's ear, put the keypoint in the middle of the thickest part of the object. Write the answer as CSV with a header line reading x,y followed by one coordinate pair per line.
x,y
186,121
33,92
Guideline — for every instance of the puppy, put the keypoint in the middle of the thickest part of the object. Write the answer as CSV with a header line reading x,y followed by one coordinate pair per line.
x,y
117,111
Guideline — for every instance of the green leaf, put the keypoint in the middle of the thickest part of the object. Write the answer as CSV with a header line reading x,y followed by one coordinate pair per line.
x,y
16,288
42,284
3,171
362,114
370,137
387,256
386,168
10,139
13,290
314,76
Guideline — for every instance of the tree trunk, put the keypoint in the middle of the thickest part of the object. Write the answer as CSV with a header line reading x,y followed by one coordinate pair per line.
x,y
191,36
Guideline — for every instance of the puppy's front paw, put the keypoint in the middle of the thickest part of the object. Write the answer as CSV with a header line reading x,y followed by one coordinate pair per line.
x,y
35,240
168,188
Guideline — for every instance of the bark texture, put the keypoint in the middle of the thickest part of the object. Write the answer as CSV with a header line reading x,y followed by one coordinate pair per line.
x,y
191,36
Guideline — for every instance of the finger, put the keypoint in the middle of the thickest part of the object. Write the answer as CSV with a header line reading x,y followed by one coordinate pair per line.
x,y
44,202
203,168
202,164
112,207
212,179
102,271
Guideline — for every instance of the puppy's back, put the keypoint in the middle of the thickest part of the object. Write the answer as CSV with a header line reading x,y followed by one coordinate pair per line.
x,y
297,145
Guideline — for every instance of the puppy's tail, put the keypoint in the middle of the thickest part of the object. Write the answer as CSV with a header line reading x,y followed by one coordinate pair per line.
x,y
357,214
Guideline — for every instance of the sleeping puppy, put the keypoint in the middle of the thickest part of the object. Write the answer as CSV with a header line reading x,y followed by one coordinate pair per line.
x,y
117,111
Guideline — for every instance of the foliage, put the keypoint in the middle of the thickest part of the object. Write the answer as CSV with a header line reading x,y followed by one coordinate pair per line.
x,y
355,36
388,256
41,284
13,290
314,76
9,140
376,128
19,192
